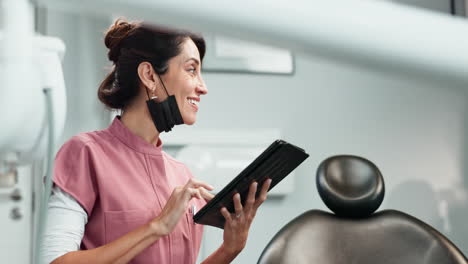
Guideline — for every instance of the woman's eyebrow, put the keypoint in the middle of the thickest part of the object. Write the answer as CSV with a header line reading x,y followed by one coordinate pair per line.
x,y
194,59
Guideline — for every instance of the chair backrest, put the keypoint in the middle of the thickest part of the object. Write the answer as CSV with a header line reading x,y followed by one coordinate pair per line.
x,y
353,188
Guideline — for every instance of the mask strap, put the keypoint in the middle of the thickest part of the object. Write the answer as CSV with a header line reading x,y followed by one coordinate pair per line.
x,y
147,94
163,85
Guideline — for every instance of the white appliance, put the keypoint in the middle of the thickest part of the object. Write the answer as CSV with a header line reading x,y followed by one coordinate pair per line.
x,y
217,156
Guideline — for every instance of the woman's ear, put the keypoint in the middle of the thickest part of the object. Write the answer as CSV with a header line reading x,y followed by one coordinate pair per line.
x,y
147,75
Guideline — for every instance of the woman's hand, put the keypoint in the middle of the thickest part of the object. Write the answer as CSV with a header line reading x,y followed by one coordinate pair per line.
x,y
177,205
236,228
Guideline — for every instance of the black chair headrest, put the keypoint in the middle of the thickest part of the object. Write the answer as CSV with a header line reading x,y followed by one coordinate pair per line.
x,y
350,186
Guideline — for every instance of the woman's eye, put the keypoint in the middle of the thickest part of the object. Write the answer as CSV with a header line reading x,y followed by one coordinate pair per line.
x,y
192,70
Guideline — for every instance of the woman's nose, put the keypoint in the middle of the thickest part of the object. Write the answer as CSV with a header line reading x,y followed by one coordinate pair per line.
x,y
201,87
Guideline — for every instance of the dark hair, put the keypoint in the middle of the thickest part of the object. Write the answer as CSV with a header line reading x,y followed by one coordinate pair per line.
x,y
131,43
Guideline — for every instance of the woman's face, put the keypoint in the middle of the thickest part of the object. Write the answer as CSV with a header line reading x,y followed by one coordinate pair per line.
x,y
183,80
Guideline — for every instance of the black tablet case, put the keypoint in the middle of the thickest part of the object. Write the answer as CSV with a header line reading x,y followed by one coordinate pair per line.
x,y
276,162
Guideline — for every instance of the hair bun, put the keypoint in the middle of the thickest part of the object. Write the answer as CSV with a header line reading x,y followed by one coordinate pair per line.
x,y
115,35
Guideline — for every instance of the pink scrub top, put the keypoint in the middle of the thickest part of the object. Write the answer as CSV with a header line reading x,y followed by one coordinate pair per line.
x,y
123,182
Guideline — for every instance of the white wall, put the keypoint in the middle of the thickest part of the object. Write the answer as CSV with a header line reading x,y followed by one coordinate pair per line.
x,y
413,130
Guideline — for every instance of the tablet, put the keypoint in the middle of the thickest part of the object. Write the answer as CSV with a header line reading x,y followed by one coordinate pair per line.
x,y
276,162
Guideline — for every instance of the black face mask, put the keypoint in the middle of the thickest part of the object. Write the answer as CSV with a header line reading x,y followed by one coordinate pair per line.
x,y
165,114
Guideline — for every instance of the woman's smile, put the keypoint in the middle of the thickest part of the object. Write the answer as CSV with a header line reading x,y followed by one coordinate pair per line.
x,y
193,102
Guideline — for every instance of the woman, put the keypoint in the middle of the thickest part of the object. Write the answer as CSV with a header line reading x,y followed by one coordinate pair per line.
x,y
117,196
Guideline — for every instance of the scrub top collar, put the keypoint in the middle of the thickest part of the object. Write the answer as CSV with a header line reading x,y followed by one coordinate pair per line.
x,y
121,132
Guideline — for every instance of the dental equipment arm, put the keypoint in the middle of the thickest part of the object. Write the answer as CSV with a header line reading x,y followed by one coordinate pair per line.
x,y
32,95
378,35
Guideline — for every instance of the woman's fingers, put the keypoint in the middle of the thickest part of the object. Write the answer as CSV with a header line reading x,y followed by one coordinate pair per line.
x,y
205,194
238,205
178,202
263,193
226,214
194,193
194,183
251,196
197,189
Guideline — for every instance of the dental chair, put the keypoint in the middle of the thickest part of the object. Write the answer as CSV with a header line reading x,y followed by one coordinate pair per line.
x,y
353,188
